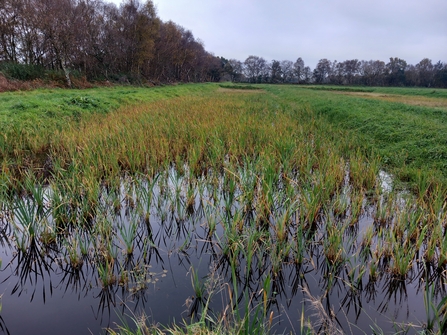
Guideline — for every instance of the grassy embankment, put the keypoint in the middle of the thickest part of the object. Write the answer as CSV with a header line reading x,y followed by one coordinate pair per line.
x,y
30,121
278,159
404,127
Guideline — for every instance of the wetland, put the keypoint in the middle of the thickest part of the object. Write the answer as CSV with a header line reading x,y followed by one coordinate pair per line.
x,y
237,210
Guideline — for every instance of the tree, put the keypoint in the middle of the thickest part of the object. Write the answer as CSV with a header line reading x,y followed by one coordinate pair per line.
x,y
180,57
307,75
275,72
9,21
425,72
322,71
396,71
255,68
411,76
372,72
298,70
337,73
211,68
234,68
287,71
167,53
136,28
440,70
350,70
59,25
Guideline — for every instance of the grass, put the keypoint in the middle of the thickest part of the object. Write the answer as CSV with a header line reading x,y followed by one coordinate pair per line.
x,y
240,87
29,120
278,178
427,92
408,140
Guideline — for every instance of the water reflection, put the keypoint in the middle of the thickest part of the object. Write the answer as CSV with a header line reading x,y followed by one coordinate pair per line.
x,y
174,248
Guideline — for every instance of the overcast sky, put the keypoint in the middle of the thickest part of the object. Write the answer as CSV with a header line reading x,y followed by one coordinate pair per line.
x,y
314,29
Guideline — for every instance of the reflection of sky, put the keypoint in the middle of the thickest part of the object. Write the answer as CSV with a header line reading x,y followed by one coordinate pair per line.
x,y
337,30
63,311
72,307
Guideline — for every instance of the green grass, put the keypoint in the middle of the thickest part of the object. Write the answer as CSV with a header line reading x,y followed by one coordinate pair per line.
x,y
29,120
407,138
240,87
419,91
49,104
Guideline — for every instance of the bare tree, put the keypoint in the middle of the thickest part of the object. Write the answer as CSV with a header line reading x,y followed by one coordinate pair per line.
x,y
298,69
9,20
337,73
440,74
372,72
287,71
322,71
236,71
255,68
307,75
351,69
275,72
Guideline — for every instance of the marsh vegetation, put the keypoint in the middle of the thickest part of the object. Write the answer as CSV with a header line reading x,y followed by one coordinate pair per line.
x,y
276,210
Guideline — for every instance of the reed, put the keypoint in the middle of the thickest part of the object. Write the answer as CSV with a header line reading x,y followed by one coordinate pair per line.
x,y
333,243
106,273
128,232
75,258
273,179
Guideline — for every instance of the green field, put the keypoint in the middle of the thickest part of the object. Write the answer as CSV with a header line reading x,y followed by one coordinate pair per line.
x,y
279,171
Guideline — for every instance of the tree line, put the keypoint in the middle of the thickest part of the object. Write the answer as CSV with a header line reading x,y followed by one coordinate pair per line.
x,y
130,43
396,72
101,41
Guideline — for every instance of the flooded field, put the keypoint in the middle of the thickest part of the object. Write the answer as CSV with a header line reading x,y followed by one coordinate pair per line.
x,y
236,210
171,248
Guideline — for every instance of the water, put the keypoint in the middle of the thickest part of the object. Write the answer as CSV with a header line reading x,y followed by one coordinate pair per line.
x,y
42,292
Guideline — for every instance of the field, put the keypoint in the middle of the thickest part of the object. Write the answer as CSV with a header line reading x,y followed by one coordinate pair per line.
x,y
224,208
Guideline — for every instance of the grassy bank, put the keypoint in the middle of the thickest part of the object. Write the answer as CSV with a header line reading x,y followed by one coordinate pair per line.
x,y
409,140
414,91
31,120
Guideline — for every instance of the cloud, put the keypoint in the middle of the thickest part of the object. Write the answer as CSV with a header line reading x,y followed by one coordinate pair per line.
x,y
337,29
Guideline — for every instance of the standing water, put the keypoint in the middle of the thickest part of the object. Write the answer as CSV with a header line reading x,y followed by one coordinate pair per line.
x,y
171,248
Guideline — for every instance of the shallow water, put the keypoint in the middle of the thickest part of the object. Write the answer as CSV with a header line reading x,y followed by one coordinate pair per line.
x,y
42,291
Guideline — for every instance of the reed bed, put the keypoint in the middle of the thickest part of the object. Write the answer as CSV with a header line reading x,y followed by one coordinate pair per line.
x,y
258,182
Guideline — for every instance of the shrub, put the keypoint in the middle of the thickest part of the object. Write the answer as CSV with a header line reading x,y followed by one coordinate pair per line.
x,y
22,71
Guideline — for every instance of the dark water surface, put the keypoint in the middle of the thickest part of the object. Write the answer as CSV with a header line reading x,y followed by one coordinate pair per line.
x,y
42,293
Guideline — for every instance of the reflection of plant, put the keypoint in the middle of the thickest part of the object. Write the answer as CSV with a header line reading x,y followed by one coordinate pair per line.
x,y
30,214
436,314
325,323
3,327
74,258
236,318
199,298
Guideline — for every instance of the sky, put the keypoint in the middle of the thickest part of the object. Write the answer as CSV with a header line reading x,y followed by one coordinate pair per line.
x,y
314,29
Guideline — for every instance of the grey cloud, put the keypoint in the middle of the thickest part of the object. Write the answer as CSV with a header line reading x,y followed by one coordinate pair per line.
x,y
333,29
